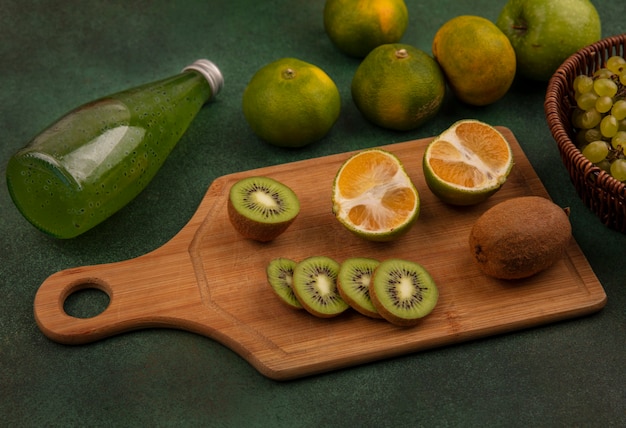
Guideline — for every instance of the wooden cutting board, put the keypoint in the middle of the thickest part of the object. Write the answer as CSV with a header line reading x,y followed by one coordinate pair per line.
x,y
209,280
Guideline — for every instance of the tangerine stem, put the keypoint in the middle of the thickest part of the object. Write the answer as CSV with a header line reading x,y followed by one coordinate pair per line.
x,y
289,73
401,53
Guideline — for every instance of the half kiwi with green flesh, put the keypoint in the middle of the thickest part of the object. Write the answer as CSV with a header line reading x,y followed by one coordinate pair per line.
x,y
261,208
280,277
315,286
403,292
353,282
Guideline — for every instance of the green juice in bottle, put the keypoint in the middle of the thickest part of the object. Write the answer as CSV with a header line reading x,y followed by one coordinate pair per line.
x,y
98,157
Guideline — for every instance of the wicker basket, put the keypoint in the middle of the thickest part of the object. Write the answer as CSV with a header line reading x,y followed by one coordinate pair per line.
x,y
600,192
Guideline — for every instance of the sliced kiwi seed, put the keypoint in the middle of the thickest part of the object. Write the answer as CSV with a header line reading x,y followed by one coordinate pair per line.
x,y
280,277
261,208
403,292
315,286
353,282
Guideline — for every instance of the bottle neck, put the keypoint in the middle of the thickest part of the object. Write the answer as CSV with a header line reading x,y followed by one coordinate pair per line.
x,y
210,72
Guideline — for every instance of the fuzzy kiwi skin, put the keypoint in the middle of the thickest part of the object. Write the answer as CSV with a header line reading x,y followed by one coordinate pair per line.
x,y
520,237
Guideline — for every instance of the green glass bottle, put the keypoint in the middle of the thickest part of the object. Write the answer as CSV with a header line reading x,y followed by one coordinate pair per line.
x,y
98,157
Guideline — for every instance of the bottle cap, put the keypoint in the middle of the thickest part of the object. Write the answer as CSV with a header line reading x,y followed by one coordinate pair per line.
x,y
211,73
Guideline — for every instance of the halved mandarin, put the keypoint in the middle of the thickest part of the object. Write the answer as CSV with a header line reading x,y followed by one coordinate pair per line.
x,y
374,197
467,163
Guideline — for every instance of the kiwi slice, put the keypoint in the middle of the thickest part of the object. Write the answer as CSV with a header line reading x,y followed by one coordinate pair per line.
x,y
262,208
353,283
403,292
315,286
280,276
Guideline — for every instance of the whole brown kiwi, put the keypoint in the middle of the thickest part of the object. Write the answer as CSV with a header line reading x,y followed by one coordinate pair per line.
x,y
520,237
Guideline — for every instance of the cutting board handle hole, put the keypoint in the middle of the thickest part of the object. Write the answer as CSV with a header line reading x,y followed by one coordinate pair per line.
x,y
86,301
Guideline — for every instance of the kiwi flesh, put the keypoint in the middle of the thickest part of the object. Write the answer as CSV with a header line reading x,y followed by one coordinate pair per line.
x,y
403,292
353,283
280,277
520,237
261,208
315,286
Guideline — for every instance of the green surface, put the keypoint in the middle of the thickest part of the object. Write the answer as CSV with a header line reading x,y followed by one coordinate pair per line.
x,y
57,55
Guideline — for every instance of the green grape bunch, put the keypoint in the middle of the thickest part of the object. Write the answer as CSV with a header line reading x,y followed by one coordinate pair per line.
x,y
599,117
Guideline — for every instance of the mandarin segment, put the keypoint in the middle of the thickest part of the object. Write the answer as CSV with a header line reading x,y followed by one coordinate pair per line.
x,y
486,143
467,163
367,171
446,151
400,200
374,197
458,173
365,218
